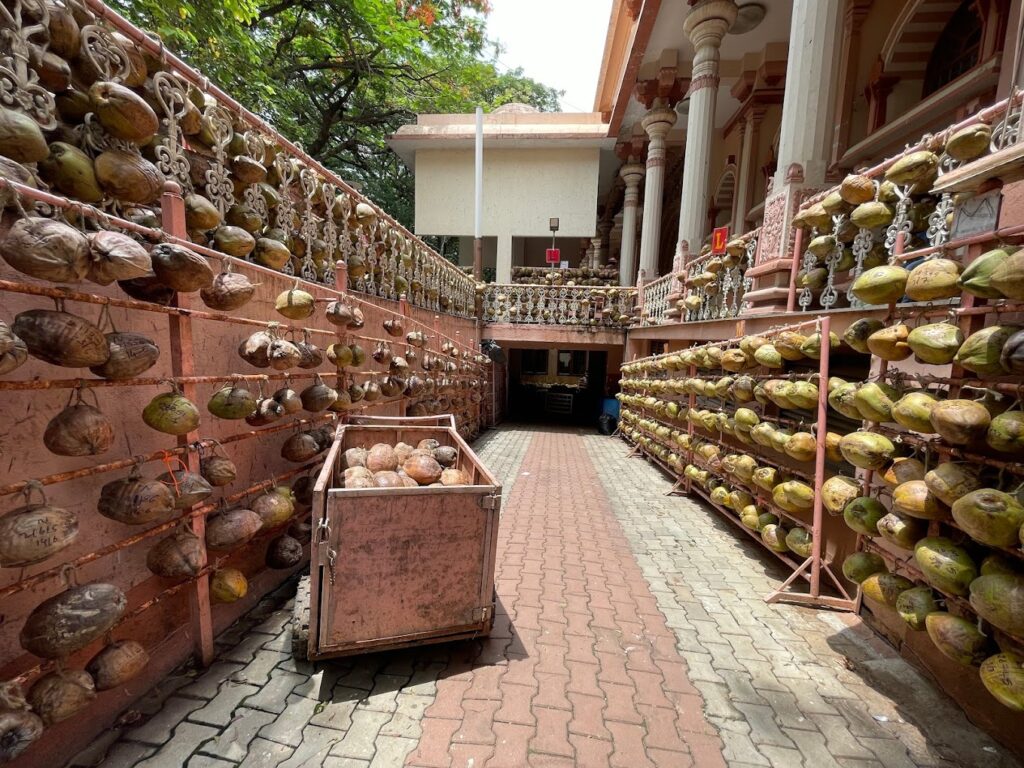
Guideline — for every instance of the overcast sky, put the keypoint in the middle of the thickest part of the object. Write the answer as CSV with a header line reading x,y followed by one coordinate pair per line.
x,y
557,42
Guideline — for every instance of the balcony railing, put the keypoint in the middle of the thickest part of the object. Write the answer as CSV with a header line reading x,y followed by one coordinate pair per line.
x,y
716,285
655,304
558,305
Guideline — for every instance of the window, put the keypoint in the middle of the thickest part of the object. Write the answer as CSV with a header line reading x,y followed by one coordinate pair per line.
x,y
957,49
535,362
572,362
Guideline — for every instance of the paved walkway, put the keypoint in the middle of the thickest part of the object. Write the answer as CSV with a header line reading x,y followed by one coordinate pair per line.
x,y
631,631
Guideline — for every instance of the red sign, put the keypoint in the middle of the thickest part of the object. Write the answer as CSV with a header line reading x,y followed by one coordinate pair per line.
x,y
553,255
719,237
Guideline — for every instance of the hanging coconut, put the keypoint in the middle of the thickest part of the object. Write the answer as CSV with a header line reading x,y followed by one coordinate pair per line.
x,y
867,450
232,528
61,338
1008,277
284,552
885,588
982,352
188,488
231,402
863,513
933,280
171,413
990,516
47,250
256,348
872,214
393,327
181,268
957,638
134,500
945,565
358,355
128,177
1003,677
288,399
881,285
72,619
295,304
913,499
217,470
891,343
874,400
951,481
856,336
58,695
13,351
228,585
960,422
1006,433
839,491
130,355
310,355
913,168
201,215
859,565
274,507
317,396
914,410
19,727
340,313
149,289
116,664
267,411
999,599
935,343
915,605
282,355
977,277
300,447
34,532
179,556
116,256
228,291
969,142
79,430
123,113
266,251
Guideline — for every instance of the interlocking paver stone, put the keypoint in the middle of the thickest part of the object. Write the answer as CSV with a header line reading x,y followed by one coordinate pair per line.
x,y
630,631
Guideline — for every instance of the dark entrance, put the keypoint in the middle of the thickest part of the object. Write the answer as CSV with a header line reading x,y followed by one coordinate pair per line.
x,y
557,385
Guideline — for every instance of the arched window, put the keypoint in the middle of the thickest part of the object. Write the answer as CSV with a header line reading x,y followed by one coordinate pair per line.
x,y
957,49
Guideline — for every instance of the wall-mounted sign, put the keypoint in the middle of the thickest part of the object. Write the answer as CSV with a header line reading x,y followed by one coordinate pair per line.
x,y
719,237
553,255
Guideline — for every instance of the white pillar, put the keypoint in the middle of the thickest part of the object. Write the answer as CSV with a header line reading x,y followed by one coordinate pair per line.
x,y
812,74
632,174
747,169
705,25
657,124
503,266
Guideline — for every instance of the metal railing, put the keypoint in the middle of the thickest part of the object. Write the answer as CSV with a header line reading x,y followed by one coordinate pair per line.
x,y
558,305
654,301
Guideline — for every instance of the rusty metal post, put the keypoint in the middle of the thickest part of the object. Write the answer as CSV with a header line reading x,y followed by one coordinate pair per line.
x,y
172,209
819,457
340,276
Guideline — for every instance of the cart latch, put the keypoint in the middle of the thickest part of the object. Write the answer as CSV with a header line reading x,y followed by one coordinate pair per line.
x,y
325,553
483,613
491,502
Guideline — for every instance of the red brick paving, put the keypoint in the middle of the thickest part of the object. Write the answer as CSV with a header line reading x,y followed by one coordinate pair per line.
x,y
589,674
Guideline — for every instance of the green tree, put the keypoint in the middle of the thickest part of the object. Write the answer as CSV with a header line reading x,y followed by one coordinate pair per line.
x,y
339,76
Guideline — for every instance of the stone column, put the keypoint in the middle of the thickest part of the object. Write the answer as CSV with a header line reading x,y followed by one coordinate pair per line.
x,y
632,174
705,25
812,74
503,264
657,124
748,168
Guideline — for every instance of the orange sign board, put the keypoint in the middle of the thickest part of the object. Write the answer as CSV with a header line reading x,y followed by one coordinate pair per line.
x,y
719,237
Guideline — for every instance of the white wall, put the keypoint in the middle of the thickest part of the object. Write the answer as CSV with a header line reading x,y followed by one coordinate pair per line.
x,y
523,188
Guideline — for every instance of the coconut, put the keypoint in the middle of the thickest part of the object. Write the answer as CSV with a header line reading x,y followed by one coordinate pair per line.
x,y
998,564
13,351
358,477
354,457
935,343
832,452
839,491
295,304
913,499
863,513
171,413
793,496
134,500
891,343
423,469
201,214
885,588
856,336
72,619
310,355
61,338
181,268
34,532
341,313
960,422
179,556
860,565
381,457
1003,677
267,410
871,214
266,251
800,541
123,113
774,537
990,516
274,508
46,249
951,481
957,638
982,351
232,528
227,291
317,396
388,479
915,605
231,402
1006,432
79,430
913,168
812,345
284,552
447,455
117,663
801,446
187,487
19,727
875,401
843,400
934,279
20,137
228,585
913,411
300,447
945,565
128,177
282,355
130,355
881,285
857,189
241,215
867,450
768,356
70,171
976,279
999,599
56,696
148,289
452,476
969,142
1008,277
255,349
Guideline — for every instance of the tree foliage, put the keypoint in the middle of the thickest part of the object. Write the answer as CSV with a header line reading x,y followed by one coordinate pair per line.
x,y
339,76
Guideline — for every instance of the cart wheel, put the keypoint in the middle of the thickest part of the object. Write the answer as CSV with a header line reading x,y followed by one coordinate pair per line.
x,y
300,621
